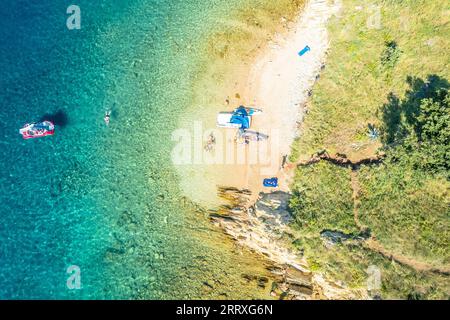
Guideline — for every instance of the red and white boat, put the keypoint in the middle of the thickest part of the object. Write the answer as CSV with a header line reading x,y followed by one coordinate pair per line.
x,y
37,130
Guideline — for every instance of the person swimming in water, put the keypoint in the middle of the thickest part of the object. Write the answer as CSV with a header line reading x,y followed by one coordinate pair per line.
x,y
107,117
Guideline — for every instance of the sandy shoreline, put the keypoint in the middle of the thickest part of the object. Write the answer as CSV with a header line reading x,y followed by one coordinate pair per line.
x,y
277,81
280,81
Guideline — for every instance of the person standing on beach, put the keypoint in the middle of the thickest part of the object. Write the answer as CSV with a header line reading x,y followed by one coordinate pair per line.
x,y
210,143
284,161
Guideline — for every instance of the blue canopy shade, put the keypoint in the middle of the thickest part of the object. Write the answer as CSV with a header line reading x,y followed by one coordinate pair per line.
x,y
42,125
240,116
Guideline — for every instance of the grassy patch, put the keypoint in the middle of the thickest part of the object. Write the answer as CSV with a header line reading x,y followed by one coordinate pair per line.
x,y
323,199
408,211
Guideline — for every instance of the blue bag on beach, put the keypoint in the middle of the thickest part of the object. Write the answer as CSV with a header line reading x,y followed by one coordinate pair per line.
x,y
271,183
304,50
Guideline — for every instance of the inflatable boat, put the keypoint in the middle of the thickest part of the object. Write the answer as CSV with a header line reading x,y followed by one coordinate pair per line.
x,y
37,130
270,182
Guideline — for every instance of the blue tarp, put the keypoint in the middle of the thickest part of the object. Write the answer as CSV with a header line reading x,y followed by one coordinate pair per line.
x,y
240,116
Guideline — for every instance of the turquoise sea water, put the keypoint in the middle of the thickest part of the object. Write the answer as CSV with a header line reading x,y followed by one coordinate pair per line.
x,y
105,199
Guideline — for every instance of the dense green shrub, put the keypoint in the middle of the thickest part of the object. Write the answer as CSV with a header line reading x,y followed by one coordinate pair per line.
x,y
390,55
416,131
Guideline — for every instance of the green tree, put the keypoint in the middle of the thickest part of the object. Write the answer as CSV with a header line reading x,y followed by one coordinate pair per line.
x,y
416,130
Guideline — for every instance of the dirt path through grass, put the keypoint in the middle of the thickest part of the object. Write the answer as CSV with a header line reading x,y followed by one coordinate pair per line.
x,y
372,242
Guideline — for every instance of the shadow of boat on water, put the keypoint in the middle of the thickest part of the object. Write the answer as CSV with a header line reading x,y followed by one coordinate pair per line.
x,y
59,118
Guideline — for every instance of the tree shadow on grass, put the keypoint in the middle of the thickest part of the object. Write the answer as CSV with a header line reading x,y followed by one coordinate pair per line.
x,y
59,118
399,114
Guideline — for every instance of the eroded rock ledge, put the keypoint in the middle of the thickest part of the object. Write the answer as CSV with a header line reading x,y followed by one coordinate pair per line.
x,y
264,228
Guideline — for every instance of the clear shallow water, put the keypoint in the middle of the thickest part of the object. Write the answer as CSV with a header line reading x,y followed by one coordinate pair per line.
x,y
104,199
